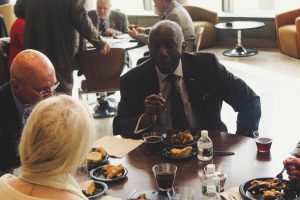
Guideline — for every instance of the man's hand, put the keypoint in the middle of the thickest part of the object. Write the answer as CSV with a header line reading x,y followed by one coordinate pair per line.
x,y
133,33
105,49
293,168
155,105
110,32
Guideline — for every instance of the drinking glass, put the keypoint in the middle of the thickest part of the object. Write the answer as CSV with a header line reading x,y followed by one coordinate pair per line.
x,y
164,174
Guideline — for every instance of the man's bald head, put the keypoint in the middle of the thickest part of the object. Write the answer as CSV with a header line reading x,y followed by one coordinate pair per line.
x,y
31,71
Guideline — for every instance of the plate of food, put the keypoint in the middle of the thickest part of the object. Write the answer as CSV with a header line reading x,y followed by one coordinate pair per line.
x,y
179,153
109,173
181,138
97,157
92,189
268,189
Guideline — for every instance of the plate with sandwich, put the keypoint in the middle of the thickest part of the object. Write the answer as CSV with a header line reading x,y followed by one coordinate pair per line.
x,y
97,157
109,173
92,189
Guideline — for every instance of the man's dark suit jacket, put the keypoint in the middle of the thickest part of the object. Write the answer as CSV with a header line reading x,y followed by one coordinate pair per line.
x,y
208,84
10,129
117,18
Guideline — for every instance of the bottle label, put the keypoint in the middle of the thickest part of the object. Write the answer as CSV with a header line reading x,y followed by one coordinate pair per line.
x,y
207,152
209,190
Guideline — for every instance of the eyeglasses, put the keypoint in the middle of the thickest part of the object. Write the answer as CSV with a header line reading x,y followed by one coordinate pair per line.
x,y
49,90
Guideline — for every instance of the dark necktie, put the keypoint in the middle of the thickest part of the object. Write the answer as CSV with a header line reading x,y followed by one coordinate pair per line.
x,y
102,26
179,120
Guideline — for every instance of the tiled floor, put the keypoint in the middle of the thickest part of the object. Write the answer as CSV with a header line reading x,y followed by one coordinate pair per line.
x,y
273,76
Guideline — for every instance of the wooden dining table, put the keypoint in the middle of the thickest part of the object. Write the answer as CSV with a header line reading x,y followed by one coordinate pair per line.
x,y
244,165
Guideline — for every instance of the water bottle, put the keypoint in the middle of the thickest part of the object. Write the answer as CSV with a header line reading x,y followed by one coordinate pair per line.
x,y
205,147
210,183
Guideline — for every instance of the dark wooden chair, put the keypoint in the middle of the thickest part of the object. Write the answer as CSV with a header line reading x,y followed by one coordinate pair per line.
x,y
102,73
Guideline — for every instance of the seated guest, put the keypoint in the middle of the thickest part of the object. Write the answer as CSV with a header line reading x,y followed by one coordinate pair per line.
x,y
177,91
32,77
16,44
56,138
108,22
170,10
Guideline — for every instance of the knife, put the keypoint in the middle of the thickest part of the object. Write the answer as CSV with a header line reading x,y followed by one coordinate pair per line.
x,y
223,153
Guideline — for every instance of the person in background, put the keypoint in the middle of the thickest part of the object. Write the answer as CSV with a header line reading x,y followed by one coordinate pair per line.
x,y
32,78
53,27
16,44
173,11
57,136
181,91
108,22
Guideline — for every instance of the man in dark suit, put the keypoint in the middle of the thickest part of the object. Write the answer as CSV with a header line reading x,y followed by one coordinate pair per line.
x,y
203,84
32,78
108,22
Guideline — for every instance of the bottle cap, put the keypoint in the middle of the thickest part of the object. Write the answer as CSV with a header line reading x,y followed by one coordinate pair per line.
x,y
210,168
204,133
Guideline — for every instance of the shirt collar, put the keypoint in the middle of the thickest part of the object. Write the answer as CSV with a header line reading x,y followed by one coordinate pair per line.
x,y
178,71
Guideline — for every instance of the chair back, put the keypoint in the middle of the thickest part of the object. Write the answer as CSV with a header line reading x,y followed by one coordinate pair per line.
x,y
102,72
199,34
7,11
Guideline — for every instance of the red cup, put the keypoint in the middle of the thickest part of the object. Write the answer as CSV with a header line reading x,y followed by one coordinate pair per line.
x,y
263,144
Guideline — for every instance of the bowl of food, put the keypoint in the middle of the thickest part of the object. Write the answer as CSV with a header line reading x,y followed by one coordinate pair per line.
x,y
181,138
92,189
179,153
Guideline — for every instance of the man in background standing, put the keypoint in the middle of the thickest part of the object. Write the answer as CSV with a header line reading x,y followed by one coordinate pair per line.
x,y
53,27
108,22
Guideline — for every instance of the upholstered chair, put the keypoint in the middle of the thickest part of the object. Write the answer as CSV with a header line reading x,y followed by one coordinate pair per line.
x,y
288,32
207,19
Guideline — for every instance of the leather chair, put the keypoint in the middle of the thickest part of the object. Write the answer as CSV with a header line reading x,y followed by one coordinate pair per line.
x,y
288,32
7,11
102,73
207,19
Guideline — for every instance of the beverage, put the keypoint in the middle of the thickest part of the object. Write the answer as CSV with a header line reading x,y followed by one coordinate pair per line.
x,y
164,174
263,144
205,147
165,181
153,143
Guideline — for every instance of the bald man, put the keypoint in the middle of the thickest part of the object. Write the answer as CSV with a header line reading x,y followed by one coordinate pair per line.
x,y
108,22
32,78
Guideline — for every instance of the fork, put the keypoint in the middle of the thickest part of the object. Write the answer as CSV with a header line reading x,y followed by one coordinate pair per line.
x,y
279,175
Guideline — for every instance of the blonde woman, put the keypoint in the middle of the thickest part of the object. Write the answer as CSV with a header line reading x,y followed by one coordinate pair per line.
x,y
58,134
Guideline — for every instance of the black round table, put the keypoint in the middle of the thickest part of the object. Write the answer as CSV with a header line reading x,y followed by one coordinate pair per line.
x,y
239,50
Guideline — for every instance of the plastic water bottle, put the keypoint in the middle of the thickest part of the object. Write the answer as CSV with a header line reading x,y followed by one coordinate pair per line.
x,y
205,147
210,183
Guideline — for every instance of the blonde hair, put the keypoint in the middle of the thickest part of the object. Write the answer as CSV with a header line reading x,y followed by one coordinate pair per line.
x,y
57,135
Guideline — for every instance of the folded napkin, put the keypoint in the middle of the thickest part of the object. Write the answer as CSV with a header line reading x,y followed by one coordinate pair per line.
x,y
232,191
296,151
117,146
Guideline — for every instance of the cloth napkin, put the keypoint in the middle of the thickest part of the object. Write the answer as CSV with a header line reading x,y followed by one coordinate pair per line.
x,y
232,191
117,146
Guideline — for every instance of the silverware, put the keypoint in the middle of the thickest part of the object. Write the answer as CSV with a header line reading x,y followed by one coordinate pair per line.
x,y
279,175
232,197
